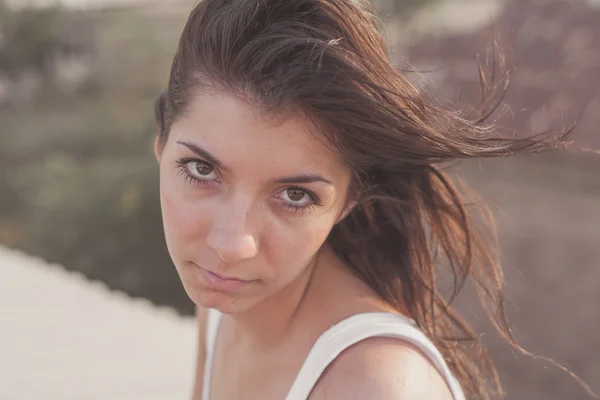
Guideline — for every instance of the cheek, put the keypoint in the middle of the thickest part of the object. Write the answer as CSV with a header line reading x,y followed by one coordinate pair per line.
x,y
184,221
292,247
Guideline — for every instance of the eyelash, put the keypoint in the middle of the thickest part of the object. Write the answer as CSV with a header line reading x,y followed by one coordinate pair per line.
x,y
315,202
181,165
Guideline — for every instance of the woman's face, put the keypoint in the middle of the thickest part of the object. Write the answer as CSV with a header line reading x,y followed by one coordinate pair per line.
x,y
246,203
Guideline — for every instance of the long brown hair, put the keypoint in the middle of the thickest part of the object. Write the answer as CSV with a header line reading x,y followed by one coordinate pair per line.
x,y
326,59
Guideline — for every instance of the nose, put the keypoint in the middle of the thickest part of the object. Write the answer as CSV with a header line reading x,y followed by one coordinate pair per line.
x,y
230,236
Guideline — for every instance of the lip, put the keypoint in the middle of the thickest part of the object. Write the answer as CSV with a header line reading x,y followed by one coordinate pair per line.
x,y
219,282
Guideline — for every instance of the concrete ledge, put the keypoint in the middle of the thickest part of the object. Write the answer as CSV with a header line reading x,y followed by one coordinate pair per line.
x,y
63,337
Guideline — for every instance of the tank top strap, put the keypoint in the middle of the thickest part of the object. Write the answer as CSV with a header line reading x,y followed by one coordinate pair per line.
x,y
212,327
357,328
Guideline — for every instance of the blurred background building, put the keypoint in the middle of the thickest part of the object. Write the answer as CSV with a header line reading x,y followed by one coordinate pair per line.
x,y
79,185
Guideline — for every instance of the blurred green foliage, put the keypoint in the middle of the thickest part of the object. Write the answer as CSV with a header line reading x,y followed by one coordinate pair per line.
x,y
78,182
29,37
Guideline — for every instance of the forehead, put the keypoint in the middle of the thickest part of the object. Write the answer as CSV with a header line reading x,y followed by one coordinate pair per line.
x,y
243,138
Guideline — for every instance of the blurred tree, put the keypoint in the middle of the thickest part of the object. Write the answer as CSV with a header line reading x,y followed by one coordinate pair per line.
x,y
403,9
29,39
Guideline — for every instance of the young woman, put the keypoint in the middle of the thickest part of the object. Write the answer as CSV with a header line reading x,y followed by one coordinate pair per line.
x,y
306,213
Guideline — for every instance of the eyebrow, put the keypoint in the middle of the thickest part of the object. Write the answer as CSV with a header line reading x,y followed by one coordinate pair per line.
x,y
303,179
306,178
204,154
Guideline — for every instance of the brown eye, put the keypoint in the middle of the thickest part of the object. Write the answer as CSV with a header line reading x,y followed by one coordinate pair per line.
x,y
297,196
296,199
203,169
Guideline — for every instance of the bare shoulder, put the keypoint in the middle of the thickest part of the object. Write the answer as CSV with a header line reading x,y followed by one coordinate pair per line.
x,y
381,368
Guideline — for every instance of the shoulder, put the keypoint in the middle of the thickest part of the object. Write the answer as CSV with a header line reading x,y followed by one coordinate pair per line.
x,y
381,368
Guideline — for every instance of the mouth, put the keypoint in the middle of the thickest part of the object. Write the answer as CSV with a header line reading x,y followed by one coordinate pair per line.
x,y
221,282
226,278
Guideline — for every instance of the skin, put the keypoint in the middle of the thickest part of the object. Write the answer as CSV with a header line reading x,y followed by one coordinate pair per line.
x,y
254,216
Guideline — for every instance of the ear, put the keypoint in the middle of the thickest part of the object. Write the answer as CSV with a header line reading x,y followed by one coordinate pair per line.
x,y
157,148
349,207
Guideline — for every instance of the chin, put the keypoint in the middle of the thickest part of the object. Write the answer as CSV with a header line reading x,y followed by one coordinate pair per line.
x,y
226,303
202,295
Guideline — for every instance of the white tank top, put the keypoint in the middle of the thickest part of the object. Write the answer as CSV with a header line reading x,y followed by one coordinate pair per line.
x,y
335,340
